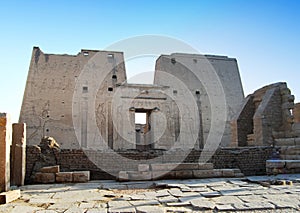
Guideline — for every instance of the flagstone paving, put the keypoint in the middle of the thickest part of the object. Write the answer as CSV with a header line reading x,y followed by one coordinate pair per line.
x,y
249,194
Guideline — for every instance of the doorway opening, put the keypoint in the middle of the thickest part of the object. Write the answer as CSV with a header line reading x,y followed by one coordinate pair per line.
x,y
143,129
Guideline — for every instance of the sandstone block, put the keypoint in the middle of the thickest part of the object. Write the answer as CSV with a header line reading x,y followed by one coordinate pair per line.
x,y
187,166
217,173
140,175
228,173
7,197
297,140
163,174
63,177
143,167
18,154
123,176
5,143
164,166
205,166
292,164
50,169
44,177
184,174
203,173
81,176
285,142
275,163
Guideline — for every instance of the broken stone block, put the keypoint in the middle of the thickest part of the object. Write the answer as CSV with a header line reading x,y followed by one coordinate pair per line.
x,y
7,197
50,169
63,177
143,167
44,177
81,176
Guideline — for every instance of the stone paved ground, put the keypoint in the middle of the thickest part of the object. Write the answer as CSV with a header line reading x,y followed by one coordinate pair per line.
x,y
197,195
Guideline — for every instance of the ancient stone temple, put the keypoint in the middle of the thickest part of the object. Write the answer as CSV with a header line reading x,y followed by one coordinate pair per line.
x,y
196,121
85,101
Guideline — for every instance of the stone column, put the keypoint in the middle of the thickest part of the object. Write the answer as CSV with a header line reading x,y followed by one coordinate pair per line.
x,y
5,143
18,154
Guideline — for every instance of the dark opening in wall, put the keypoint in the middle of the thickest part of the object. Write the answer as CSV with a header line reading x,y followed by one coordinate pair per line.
x,y
114,77
110,89
197,92
173,60
47,130
85,89
175,92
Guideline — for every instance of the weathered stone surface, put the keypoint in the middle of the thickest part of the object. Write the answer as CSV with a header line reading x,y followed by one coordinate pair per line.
x,y
203,173
5,143
205,166
210,194
143,167
18,155
144,202
227,173
184,174
50,169
123,176
81,176
225,207
202,204
149,209
167,199
7,197
63,177
44,177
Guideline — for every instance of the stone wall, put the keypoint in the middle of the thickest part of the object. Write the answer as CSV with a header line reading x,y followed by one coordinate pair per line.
x,y
264,117
206,77
296,113
251,161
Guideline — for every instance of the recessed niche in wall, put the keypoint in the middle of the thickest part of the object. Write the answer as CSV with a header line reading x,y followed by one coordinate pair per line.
x,y
110,89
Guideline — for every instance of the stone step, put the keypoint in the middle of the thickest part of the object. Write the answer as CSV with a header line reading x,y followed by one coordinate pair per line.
x,y
180,166
282,166
287,142
290,157
7,197
178,174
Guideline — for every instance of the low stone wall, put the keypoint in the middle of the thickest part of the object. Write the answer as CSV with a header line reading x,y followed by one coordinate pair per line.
x,y
250,160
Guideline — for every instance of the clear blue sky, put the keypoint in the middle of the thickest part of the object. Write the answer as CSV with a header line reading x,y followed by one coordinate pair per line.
x,y
264,36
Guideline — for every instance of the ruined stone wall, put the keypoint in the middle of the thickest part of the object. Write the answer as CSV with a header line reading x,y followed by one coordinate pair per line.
x,y
242,125
264,117
296,113
250,160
